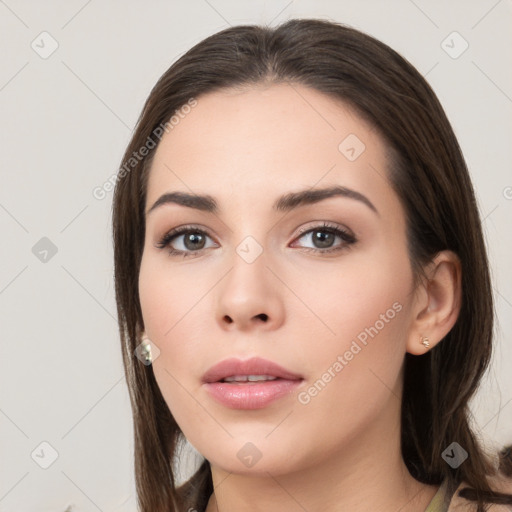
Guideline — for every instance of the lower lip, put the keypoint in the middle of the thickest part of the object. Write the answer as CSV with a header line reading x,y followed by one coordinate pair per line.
x,y
251,395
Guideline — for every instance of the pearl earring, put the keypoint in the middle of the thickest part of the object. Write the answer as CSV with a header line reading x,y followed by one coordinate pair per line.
x,y
146,351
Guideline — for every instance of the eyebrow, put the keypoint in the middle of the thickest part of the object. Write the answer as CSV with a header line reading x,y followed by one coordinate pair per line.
x,y
285,203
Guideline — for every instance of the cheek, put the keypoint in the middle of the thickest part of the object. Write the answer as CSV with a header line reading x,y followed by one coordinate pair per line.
x,y
366,295
167,302
356,376
365,312
173,306
165,296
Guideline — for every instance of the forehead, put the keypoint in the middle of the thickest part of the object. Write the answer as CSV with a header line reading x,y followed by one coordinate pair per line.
x,y
263,140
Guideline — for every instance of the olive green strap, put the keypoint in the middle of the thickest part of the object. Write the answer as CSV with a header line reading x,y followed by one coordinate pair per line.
x,y
441,500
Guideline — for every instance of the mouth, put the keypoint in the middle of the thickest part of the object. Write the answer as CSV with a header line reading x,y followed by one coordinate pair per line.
x,y
251,370
249,378
251,384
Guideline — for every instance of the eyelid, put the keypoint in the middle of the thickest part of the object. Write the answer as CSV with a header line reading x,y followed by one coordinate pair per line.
x,y
319,225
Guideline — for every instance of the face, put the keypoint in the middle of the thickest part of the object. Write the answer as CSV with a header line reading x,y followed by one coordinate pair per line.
x,y
319,284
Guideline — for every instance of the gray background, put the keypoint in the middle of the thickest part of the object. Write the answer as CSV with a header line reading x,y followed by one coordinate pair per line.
x,y
65,121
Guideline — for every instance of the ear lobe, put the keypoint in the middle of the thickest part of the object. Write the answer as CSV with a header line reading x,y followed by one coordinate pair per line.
x,y
437,303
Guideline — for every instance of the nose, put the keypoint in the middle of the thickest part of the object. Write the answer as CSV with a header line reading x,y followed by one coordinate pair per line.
x,y
249,297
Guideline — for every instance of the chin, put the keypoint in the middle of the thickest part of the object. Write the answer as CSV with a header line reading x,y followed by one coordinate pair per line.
x,y
255,455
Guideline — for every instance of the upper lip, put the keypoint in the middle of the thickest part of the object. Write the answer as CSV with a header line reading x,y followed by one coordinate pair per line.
x,y
254,366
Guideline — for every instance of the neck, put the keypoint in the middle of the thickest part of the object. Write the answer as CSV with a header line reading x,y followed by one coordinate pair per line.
x,y
366,473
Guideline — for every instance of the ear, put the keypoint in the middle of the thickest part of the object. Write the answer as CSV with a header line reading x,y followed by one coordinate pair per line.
x,y
437,303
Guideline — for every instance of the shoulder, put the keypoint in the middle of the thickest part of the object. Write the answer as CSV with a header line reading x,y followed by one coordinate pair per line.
x,y
498,482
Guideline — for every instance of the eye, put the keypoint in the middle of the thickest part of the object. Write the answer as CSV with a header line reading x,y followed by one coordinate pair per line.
x,y
323,238
193,240
187,241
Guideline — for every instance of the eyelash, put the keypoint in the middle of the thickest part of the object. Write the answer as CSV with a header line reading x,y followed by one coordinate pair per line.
x,y
345,235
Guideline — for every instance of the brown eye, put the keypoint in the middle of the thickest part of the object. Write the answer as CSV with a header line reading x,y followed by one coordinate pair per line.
x,y
184,241
194,241
323,238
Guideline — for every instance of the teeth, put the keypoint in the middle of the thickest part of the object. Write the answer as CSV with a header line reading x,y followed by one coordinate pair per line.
x,y
249,378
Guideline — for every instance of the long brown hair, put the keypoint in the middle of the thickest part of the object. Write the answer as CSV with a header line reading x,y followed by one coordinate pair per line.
x,y
427,171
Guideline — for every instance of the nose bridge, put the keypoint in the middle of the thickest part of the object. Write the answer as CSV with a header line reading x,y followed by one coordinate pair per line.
x,y
250,233
248,292
249,275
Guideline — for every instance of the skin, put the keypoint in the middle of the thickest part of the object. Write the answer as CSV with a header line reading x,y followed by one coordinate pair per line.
x,y
341,450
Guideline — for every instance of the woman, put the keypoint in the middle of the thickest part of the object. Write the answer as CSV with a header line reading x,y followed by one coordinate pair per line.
x,y
300,266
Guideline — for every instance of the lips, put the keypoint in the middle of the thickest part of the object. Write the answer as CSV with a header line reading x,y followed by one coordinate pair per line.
x,y
254,366
251,384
